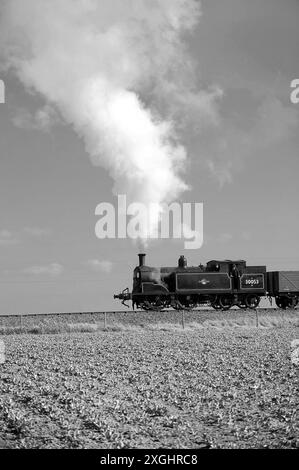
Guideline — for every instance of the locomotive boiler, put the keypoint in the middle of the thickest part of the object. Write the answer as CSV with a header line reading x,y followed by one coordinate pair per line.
x,y
220,284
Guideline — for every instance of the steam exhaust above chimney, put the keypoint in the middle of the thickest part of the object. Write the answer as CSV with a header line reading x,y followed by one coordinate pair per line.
x,y
141,259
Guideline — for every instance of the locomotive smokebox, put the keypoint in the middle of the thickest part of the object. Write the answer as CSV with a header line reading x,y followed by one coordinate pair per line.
x,y
142,259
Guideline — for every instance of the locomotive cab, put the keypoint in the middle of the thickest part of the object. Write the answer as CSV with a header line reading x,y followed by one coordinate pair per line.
x,y
226,266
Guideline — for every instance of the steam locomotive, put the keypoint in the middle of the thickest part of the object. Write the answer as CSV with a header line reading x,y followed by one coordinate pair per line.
x,y
220,284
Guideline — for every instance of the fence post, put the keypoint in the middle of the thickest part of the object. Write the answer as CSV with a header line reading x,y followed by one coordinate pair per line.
x,y
21,321
105,320
183,319
2,352
257,318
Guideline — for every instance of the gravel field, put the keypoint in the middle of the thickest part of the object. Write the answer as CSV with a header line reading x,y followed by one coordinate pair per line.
x,y
208,387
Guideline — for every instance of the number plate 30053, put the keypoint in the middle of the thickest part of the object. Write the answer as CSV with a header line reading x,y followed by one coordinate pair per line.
x,y
252,281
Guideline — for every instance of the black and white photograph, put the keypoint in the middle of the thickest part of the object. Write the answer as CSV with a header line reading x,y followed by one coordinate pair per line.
x,y
149,229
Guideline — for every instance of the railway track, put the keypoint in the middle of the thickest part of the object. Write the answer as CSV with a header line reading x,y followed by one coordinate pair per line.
x,y
125,312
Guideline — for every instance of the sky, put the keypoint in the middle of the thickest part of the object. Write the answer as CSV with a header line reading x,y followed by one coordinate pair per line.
x,y
239,131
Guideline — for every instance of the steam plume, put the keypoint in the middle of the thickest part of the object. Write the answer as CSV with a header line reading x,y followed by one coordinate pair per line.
x,y
99,62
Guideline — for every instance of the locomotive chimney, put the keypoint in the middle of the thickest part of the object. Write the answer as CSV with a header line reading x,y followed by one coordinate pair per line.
x,y
142,259
182,263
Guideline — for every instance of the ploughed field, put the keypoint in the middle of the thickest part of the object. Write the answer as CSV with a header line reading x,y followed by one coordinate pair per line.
x,y
211,385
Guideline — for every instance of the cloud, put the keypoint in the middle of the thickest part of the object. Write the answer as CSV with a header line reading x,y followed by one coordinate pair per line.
x,y
43,119
36,232
221,170
54,269
276,122
228,148
192,110
246,235
100,266
120,73
7,238
224,237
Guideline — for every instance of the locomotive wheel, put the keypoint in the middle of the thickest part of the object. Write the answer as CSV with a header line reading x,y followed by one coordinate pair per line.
x,y
184,304
146,306
157,304
242,303
252,301
177,305
226,301
242,306
281,302
215,303
192,304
